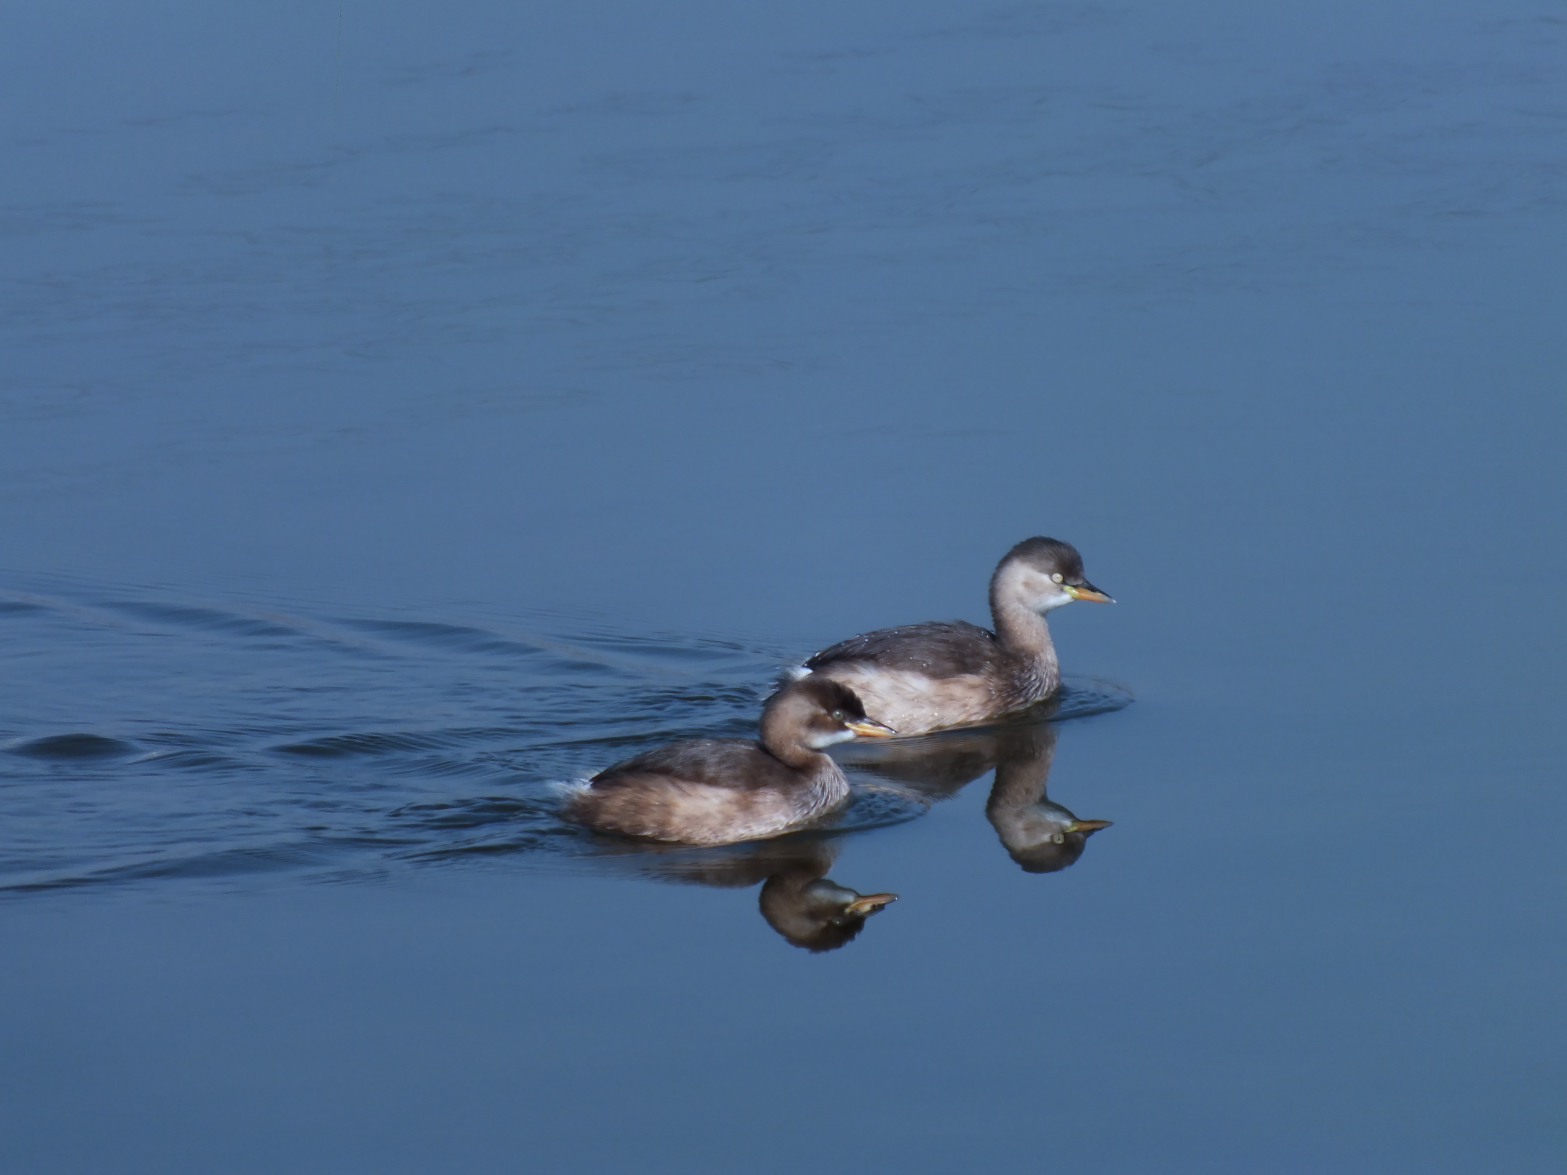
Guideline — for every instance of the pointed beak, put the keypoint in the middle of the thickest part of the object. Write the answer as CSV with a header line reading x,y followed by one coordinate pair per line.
x,y
870,728
1087,591
869,904
1088,825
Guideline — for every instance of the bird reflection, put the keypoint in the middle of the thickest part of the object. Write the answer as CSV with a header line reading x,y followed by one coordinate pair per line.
x,y
1039,834
810,910
798,900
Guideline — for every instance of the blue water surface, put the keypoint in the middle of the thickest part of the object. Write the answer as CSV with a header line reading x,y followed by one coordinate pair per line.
x,y
406,409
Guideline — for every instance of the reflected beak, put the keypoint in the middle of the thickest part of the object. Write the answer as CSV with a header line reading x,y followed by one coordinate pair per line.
x,y
1088,825
869,904
870,728
1087,591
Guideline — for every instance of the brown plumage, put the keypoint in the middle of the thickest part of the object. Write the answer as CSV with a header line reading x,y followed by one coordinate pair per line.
x,y
722,791
924,677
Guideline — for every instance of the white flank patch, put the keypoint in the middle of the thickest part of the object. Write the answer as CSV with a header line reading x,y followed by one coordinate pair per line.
x,y
569,788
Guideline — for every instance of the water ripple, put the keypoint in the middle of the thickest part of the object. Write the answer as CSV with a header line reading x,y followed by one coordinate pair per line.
x,y
218,742
72,746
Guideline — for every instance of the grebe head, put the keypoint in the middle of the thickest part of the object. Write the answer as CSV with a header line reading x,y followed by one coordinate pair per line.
x,y
1043,574
816,712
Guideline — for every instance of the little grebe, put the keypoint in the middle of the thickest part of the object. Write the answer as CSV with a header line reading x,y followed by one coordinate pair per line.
x,y
924,677
722,791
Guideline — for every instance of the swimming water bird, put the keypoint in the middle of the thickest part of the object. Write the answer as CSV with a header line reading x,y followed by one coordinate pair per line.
x,y
924,677
723,791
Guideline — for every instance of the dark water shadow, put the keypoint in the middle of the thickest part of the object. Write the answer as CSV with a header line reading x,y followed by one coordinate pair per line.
x,y
69,747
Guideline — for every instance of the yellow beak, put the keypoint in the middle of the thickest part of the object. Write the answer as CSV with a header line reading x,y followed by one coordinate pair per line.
x,y
870,728
1087,592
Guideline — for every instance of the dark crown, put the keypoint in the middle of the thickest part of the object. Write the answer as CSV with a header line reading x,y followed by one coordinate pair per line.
x,y
1049,556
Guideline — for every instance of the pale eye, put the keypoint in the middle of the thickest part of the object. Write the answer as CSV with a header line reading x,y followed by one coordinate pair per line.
x,y
836,715
1058,577
1059,839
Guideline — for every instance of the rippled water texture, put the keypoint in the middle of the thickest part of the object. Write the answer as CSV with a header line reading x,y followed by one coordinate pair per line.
x,y
408,408
278,740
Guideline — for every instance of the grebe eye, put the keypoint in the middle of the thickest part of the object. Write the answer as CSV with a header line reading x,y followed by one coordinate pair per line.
x,y
836,715
1059,839
1057,577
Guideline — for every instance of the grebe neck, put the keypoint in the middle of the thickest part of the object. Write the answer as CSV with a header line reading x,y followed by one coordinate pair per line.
x,y
783,737
1024,633
825,783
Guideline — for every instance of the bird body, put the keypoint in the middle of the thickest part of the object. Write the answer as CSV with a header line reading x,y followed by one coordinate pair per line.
x,y
709,792
722,791
923,677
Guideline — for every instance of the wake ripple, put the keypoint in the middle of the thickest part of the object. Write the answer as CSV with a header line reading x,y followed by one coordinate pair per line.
x,y
159,741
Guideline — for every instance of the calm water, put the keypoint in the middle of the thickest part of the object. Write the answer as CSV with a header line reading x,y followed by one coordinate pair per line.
x,y
403,409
